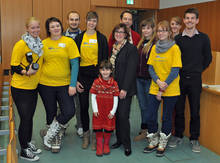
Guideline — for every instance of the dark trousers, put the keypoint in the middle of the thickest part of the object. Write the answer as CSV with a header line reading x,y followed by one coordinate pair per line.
x,y
84,109
87,77
122,122
152,112
25,101
50,96
191,86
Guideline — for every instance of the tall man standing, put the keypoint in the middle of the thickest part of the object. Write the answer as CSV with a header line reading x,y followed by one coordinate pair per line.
x,y
73,21
196,57
126,18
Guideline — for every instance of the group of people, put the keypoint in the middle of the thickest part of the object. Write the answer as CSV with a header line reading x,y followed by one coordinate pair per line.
x,y
66,67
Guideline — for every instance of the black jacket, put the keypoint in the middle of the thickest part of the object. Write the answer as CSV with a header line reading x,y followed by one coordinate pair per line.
x,y
126,68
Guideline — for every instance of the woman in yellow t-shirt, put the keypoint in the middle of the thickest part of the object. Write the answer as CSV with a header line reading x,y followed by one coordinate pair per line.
x,y
164,64
58,81
26,64
93,47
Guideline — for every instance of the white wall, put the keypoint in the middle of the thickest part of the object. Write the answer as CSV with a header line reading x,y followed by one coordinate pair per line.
x,y
175,3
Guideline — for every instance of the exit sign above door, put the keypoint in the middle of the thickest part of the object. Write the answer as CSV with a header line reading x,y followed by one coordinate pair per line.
x,y
129,2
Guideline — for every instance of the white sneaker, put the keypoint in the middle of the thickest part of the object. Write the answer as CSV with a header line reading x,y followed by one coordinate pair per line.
x,y
51,133
80,132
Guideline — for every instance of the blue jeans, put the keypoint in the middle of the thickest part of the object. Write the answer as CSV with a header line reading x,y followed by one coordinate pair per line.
x,y
152,112
143,86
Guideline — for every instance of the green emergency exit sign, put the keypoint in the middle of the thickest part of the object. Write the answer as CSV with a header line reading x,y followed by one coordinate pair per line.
x,y
130,2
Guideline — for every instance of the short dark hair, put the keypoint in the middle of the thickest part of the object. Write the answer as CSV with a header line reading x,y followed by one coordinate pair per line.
x,y
72,12
192,11
126,11
106,65
121,25
92,15
47,24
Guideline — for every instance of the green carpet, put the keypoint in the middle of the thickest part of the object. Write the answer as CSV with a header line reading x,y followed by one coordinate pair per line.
x,y
71,151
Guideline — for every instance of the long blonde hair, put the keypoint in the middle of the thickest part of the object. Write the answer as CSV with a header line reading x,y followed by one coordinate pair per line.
x,y
147,22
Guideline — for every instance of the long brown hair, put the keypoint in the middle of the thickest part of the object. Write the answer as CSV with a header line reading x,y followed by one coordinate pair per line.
x,y
147,22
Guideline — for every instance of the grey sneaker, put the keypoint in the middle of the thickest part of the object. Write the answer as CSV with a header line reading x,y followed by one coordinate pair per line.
x,y
174,141
79,132
27,154
195,146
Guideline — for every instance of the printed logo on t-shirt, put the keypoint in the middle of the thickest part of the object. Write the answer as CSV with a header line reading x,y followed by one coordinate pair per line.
x,y
160,58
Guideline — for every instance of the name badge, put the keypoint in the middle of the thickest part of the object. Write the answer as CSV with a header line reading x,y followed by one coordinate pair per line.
x,y
92,41
62,45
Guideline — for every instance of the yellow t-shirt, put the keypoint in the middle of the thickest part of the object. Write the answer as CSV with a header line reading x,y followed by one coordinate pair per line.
x,y
19,58
56,61
162,63
89,50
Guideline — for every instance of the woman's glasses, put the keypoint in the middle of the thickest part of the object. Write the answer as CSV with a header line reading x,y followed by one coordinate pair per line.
x,y
119,32
162,31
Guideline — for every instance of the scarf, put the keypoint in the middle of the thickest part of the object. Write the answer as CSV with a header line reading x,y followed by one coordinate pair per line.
x,y
72,34
163,46
105,85
34,44
115,50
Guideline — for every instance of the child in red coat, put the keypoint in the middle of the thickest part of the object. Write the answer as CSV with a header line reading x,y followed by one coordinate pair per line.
x,y
104,94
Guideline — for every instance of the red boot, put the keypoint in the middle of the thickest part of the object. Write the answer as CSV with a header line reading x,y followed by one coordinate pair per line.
x,y
107,137
99,142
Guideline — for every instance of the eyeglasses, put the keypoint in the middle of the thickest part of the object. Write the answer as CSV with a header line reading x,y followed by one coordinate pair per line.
x,y
119,32
162,31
